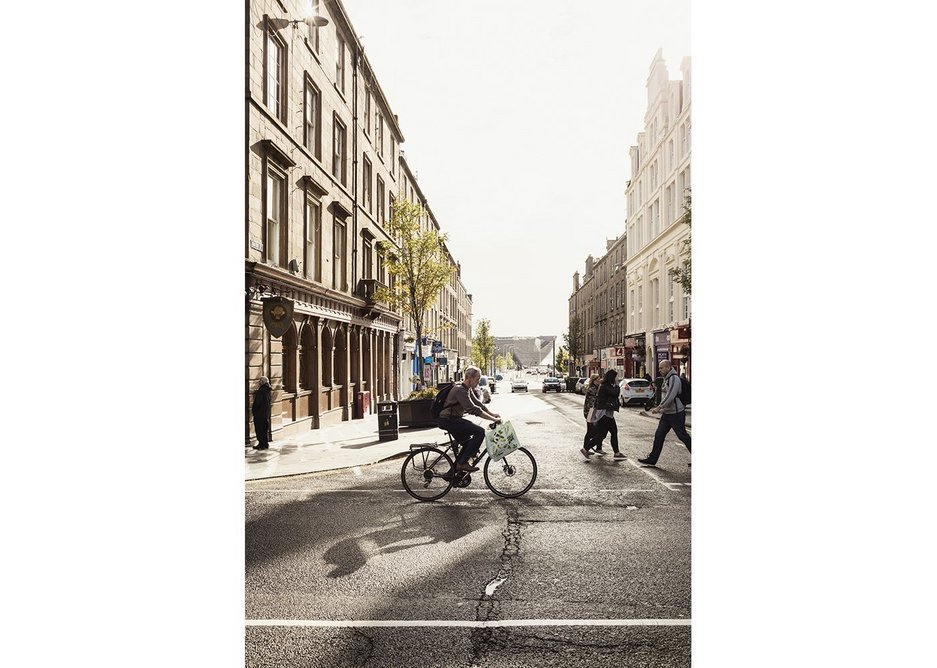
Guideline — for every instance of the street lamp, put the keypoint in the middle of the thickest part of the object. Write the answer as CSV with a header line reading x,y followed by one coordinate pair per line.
x,y
312,18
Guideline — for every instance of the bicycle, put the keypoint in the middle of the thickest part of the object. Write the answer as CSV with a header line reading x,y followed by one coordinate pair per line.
x,y
428,472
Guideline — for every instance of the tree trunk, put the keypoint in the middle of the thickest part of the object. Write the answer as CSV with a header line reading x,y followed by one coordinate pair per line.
x,y
419,349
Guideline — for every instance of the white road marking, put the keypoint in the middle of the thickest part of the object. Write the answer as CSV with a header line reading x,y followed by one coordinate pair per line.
x,y
402,623
493,586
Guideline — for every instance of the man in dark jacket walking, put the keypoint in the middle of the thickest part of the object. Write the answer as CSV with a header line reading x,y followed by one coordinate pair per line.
x,y
260,410
673,413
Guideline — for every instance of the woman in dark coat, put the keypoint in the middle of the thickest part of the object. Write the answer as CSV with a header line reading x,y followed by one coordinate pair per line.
x,y
607,403
260,410
591,393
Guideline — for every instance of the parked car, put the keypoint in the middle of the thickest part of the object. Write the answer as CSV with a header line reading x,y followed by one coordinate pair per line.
x,y
518,384
636,390
485,390
580,389
491,384
551,383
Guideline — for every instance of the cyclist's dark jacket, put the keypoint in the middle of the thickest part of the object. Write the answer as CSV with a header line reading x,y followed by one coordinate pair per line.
x,y
461,400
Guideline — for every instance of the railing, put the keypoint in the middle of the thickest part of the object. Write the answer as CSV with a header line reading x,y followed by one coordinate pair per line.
x,y
367,290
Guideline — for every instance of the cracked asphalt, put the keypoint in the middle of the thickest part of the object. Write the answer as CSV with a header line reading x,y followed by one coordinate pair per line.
x,y
593,540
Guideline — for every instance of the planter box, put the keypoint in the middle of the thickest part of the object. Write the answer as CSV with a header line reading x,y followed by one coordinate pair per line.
x,y
415,413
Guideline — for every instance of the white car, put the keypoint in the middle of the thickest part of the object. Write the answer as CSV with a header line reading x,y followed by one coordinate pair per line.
x,y
518,384
580,385
636,390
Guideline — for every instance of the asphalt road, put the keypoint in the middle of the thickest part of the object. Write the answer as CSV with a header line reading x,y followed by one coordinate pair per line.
x,y
590,568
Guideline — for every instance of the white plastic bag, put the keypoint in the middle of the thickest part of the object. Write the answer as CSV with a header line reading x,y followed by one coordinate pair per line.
x,y
501,440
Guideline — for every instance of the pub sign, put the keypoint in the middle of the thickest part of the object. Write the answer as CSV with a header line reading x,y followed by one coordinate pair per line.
x,y
278,314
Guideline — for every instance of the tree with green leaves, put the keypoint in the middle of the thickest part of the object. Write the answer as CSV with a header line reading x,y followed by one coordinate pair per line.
x,y
681,274
483,346
574,341
417,262
562,359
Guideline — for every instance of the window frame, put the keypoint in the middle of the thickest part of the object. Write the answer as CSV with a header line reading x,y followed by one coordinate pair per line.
x,y
367,176
381,194
339,253
340,64
312,237
310,88
274,173
270,35
339,160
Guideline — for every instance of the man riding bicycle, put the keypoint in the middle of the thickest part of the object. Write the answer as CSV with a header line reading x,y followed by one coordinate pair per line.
x,y
462,400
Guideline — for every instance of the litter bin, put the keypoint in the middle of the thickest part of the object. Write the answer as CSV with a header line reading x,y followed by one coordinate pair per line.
x,y
387,421
363,405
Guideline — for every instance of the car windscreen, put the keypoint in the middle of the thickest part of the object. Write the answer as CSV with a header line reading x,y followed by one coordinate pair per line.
x,y
638,383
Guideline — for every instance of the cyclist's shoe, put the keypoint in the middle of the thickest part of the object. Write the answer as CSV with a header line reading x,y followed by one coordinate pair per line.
x,y
468,468
647,462
620,455
585,453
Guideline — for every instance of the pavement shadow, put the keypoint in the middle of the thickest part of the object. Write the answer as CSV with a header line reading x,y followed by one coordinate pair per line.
x,y
316,520
428,525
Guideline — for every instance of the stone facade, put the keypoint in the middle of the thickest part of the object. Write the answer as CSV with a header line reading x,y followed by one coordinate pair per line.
x,y
626,300
658,310
323,165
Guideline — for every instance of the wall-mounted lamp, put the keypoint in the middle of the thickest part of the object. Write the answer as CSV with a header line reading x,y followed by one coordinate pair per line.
x,y
313,21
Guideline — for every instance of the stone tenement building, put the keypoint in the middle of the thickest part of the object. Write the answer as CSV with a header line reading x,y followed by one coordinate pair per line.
x,y
323,168
632,313
599,303
658,310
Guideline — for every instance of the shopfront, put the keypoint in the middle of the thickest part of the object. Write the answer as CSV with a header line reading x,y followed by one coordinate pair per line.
x,y
661,348
680,349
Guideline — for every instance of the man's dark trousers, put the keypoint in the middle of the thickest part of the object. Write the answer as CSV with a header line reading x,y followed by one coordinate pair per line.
x,y
668,421
461,429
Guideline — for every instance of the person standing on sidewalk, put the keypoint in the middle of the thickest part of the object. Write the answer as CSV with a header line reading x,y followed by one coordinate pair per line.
x,y
260,410
673,414
607,403
461,400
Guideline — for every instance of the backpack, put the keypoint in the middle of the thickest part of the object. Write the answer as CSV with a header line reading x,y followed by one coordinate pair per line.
x,y
439,401
684,391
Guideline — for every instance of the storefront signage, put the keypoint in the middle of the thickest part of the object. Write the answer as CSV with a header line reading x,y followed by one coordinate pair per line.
x,y
619,352
278,315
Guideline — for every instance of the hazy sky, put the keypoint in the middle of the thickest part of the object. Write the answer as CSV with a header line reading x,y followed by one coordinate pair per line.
x,y
517,118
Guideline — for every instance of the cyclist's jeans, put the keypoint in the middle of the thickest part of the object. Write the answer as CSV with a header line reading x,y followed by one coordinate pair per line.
x,y
461,429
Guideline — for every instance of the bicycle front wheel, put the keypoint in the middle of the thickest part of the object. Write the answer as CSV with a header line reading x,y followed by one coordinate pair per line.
x,y
512,475
422,474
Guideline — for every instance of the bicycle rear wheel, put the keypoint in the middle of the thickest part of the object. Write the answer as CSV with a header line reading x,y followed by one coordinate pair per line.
x,y
422,474
512,475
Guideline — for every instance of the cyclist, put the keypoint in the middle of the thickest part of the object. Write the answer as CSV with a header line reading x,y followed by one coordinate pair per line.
x,y
462,400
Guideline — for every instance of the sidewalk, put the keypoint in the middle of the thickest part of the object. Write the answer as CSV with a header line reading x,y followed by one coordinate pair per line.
x,y
352,443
